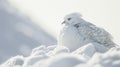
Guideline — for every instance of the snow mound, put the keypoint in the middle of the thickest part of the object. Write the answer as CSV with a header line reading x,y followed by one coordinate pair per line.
x,y
60,56
108,59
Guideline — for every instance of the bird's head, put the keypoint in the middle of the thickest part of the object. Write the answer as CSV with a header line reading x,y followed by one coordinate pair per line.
x,y
72,18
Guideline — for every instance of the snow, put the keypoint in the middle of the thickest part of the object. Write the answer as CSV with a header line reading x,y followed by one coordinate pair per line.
x,y
87,50
61,49
59,56
108,59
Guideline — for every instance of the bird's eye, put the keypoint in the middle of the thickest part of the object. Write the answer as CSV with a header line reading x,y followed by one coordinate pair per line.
x,y
69,18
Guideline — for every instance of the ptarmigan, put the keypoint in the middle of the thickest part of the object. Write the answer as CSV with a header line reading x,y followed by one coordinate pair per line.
x,y
77,32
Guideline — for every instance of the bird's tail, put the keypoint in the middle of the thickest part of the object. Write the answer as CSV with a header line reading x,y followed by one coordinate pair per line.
x,y
112,44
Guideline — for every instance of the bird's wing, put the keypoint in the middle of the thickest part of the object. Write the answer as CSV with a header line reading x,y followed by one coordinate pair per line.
x,y
101,36
97,31
92,32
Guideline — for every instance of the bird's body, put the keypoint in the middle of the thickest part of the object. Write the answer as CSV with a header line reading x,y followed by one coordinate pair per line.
x,y
70,38
78,32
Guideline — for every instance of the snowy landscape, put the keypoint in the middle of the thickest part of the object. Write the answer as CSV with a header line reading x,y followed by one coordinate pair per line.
x,y
80,43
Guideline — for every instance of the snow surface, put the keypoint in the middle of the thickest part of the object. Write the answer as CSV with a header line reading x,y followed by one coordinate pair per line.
x,y
60,56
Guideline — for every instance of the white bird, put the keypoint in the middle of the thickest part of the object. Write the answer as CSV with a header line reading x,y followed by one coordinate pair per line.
x,y
77,32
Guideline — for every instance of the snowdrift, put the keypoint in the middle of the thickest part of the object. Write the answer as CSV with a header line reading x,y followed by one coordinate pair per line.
x,y
60,56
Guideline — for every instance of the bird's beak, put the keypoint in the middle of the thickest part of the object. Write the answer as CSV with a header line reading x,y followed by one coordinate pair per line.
x,y
63,22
